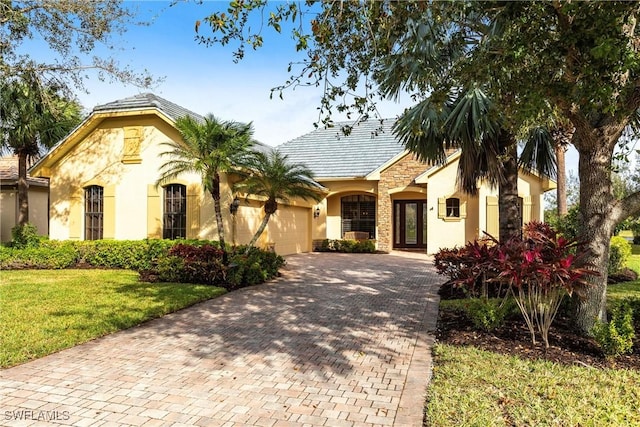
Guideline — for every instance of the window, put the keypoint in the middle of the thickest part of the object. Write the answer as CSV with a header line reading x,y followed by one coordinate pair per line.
x,y
93,212
359,214
174,224
453,207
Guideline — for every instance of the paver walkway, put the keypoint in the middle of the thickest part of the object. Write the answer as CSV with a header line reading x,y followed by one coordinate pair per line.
x,y
338,340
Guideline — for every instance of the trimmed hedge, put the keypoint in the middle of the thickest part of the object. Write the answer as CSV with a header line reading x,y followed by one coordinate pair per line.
x,y
347,246
125,254
182,261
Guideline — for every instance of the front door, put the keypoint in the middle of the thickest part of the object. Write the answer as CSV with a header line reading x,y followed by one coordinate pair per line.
x,y
410,224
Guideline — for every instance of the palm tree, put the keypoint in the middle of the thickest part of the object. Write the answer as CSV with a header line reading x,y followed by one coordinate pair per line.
x,y
273,177
209,148
34,115
468,121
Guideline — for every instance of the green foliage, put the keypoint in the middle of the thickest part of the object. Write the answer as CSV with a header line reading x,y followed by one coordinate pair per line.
x,y
41,257
127,254
347,246
275,178
569,225
619,254
70,31
208,148
25,236
250,266
616,337
538,269
202,263
488,314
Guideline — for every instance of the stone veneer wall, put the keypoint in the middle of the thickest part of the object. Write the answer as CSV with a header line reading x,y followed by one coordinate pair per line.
x,y
400,174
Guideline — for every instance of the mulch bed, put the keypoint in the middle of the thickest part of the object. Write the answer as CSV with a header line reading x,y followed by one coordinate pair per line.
x,y
514,339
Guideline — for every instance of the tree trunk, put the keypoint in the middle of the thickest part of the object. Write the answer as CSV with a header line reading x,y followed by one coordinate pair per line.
x,y
260,230
23,190
270,207
508,205
597,224
561,191
215,194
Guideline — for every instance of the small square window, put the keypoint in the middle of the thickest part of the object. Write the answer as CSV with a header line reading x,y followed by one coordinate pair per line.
x,y
453,208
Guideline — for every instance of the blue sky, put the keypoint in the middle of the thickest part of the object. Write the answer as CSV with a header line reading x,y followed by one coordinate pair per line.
x,y
206,80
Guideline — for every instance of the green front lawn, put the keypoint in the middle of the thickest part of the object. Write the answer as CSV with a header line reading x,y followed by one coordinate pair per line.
x,y
45,311
473,387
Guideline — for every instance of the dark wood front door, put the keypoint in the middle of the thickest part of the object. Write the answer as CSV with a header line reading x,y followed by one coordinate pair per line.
x,y
410,224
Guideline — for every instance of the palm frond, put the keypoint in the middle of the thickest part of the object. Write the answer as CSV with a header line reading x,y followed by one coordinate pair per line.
x,y
538,153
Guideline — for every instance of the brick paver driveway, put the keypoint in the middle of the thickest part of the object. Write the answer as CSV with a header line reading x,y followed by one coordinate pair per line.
x,y
339,340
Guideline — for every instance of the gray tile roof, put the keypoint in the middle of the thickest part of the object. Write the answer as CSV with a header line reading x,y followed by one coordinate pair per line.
x,y
330,153
148,100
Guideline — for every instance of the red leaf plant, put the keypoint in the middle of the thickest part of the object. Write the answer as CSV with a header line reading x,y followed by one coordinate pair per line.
x,y
540,269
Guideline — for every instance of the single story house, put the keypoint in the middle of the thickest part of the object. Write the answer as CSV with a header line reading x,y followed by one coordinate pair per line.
x,y
38,199
102,186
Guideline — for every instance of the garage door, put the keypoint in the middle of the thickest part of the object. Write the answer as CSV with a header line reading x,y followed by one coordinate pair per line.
x,y
290,229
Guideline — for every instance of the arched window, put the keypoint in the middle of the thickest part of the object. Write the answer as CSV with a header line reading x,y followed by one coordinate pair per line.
x,y
174,224
453,207
359,214
93,212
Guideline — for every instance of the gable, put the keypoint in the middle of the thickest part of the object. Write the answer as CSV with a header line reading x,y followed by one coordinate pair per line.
x,y
137,108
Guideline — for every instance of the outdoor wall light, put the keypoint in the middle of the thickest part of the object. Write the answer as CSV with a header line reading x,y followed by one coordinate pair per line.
x,y
233,206
316,212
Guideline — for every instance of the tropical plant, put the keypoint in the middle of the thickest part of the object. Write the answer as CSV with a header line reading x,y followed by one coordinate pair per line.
x,y
209,148
34,115
540,270
270,175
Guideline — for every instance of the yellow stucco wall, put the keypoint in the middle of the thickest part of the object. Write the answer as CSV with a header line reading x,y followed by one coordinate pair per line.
x,y
443,233
99,159
38,215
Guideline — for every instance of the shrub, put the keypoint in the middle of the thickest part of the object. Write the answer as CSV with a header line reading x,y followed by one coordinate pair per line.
x,y
537,270
347,246
488,314
569,225
25,236
252,266
619,254
199,264
37,258
616,337
135,255
470,269
540,269
202,263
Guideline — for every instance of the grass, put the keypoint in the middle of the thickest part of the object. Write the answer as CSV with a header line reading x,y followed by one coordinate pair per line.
x,y
473,387
47,311
634,260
